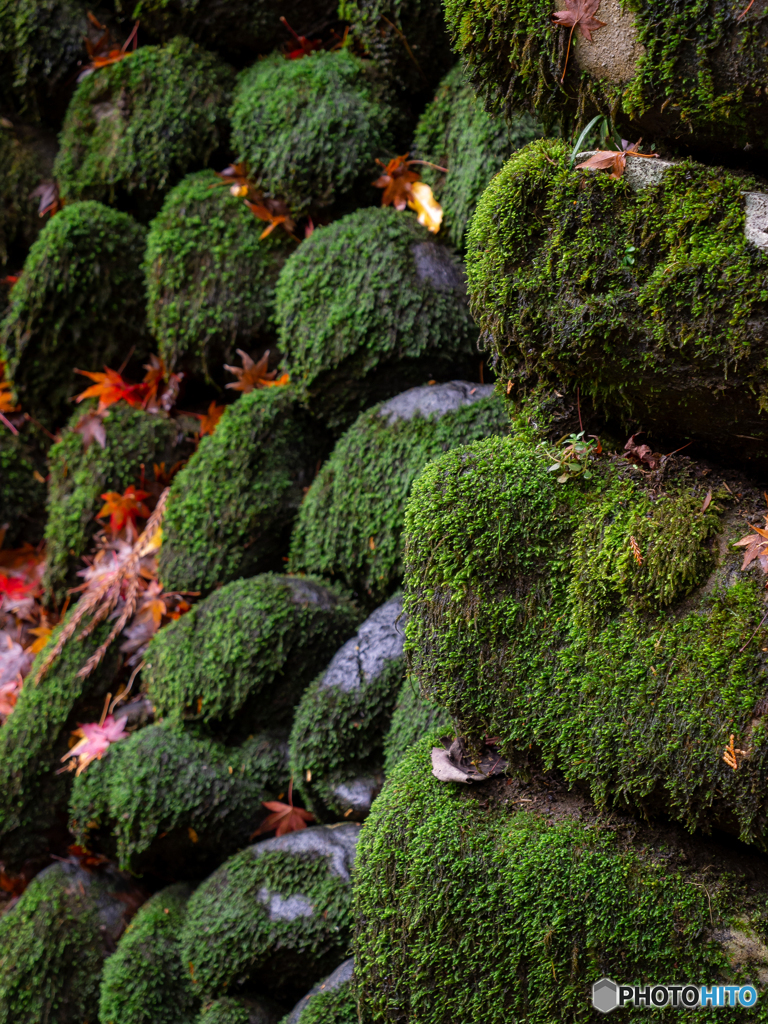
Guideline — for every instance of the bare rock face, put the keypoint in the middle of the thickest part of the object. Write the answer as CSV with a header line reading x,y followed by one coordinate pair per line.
x,y
615,50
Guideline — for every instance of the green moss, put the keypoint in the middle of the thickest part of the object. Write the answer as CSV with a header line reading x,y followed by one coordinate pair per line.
x,y
529,618
408,40
210,277
516,58
367,306
79,302
310,129
241,658
79,475
22,495
164,801
35,737
231,934
233,1010
139,125
455,132
412,718
349,526
470,907
144,981
337,1007
53,944
232,507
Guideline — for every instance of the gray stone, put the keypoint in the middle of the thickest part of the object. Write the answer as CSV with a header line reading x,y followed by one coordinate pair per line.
x,y
379,640
756,222
341,976
435,263
283,908
336,842
358,794
433,400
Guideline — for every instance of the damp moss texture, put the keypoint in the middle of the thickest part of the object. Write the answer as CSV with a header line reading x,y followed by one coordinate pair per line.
x,y
412,719
650,301
310,129
22,493
78,303
457,133
145,981
210,276
134,128
349,526
532,619
468,908
370,305
166,801
240,659
695,72
80,475
238,1010
231,508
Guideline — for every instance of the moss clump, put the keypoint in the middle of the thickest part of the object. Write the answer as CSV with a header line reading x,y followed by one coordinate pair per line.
x,y
273,917
35,737
455,132
232,507
467,905
677,83
657,292
164,801
22,494
412,719
136,127
210,277
367,306
231,1010
330,1001
408,41
79,302
144,981
325,147
531,619
53,944
349,526
240,659
79,475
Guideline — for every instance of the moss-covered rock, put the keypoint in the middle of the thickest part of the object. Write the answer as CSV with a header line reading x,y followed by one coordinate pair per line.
x,y
340,723
694,73
349,525
310,130
506,902
240,659
210,276
22,165
603,626
330,1001
79,475
239,1010
412,719
54,941
133,129
79,302
275,916
456,132
408,41
651,301
35,737
145,981
22,493
165,802
231,508
367,306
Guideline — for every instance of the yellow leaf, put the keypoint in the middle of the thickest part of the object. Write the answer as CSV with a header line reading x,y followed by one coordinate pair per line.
x,y
424,203
192,834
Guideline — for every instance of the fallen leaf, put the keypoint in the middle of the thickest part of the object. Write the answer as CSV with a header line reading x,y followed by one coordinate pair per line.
x,y
304,46
209,420
110,387
640,454
95,741
285,817
396,181
91,428
124,509
755,546
426,206
252,375
451,763
49,200
616,159
707,500
581,13
102,52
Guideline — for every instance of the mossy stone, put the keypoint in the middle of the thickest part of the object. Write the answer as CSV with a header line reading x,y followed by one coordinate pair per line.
x,y
134,128
456,132
239,1010
210,276
311,129
652,302
22,494
274,917
231,508
78,303
144,981
166,802
54,942
367,306
241,658
330,1001
79,475
21,167
412,719
602,626
349,526
496,903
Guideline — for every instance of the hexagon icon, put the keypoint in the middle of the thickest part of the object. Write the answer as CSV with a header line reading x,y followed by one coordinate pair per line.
x,y
605,995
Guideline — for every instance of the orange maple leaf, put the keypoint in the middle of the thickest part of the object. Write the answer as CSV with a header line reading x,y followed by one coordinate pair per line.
x,y
616,159
396,181
209,420
285,817
581,13
254,375
110,387
153,379
124,509
102,52
6,398
275,216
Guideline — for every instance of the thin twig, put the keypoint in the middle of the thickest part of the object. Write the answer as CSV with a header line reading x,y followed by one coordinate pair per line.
x,y
406,45
105,709
746,645
570,36
578,407
127,690
8,424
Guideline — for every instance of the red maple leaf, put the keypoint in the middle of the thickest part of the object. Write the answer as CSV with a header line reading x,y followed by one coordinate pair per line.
x,y
110,387
581,13
285,817
124,509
